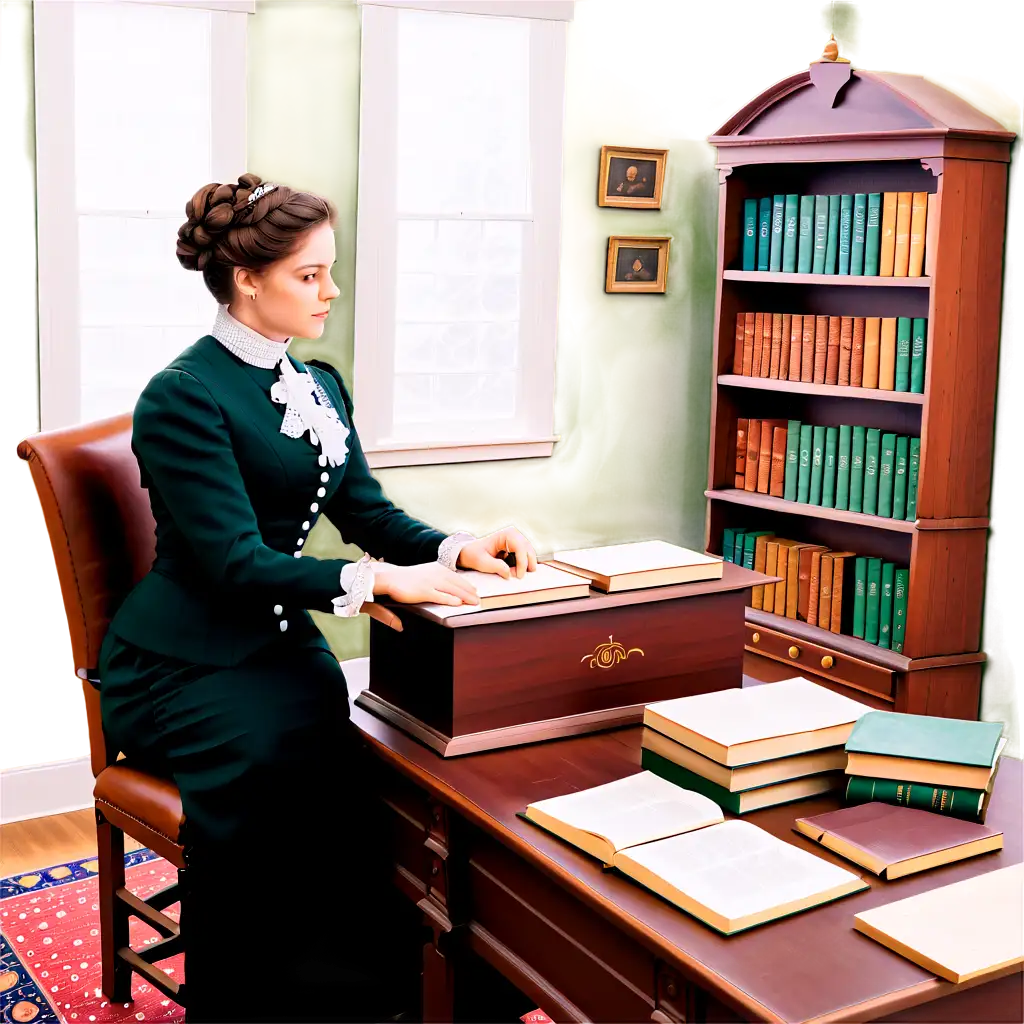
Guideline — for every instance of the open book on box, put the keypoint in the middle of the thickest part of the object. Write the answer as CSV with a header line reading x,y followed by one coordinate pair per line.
x,y
731,875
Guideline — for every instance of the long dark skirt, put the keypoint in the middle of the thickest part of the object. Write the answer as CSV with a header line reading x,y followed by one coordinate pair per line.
x,y
273,789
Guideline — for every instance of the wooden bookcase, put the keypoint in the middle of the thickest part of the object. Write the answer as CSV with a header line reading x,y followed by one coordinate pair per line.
x,y
834,129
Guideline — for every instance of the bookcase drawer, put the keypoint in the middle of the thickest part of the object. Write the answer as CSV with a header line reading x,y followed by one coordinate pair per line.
x,y
807,657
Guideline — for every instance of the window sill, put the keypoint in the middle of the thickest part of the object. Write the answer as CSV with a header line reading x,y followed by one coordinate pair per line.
x,y
441,454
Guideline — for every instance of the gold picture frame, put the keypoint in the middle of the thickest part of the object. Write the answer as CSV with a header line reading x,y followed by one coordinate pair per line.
x,y
631,178
623,273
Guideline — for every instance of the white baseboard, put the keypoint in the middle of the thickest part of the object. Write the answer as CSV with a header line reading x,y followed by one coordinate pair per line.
x,y
41,789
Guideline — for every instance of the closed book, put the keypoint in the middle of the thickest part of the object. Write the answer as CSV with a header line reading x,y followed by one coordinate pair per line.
x,y
860,593
803,479
872,344
893,842
887,355
807,349
737,345
872,456
832,350
832,239
749,234
842,592
828,476
814,583
820,349
750,539
804,567
919,338
761,546
872,234
615,568
753,454
782,571
901,254
901,378
918,229
860,223
886,470
913,468
899,609
775,352
885,606
749,320
820,234
764,233
845,232
887,251
843,454
771,568
790,228
778,233
787,327
758,342
792,581
796,335
857,353
805,249
737,555
899,478
766,345
764,460
872,600
817,465
845,350
966,804
825,591
728,543
777,478
857,469
792,460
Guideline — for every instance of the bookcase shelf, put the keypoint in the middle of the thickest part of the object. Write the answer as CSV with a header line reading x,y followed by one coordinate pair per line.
x,y
838,130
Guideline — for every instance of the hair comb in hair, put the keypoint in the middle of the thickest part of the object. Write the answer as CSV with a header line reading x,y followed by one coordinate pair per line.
x,y
260,191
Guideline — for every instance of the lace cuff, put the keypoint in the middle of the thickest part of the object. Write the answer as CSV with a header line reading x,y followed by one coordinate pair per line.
x,y
451,547
357,583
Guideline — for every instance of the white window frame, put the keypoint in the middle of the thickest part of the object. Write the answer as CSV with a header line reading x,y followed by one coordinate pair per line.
x,y
376,235
57,217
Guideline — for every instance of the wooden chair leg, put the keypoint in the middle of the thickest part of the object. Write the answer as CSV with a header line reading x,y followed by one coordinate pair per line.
x,y
117,975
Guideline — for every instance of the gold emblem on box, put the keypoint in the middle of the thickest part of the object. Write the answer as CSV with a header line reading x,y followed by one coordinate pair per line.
x,y
610,654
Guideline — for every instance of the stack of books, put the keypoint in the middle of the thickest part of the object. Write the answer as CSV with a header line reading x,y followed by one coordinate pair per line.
x,y
945,765
751,748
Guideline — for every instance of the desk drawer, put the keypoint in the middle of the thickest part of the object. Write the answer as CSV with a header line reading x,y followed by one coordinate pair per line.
x,y
821,660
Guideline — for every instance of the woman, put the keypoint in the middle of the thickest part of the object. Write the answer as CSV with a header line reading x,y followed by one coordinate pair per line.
x,y
212,670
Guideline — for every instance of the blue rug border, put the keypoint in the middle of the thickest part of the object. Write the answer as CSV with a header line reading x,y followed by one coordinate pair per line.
x,y
10,887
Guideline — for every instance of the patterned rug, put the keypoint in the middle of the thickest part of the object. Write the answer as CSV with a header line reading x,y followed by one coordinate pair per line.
x,y
50,945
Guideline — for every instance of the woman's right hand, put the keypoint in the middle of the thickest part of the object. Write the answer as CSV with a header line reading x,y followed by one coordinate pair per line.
x,y
430,582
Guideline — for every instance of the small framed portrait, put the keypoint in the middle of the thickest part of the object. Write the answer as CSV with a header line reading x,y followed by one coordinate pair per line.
x,y
631,177
637,264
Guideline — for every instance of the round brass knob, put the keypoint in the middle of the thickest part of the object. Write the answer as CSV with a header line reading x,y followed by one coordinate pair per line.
x,y
670,989
827,661
794,652
756,638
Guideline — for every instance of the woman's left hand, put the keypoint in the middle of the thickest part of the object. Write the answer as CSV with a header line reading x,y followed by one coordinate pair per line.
x,y
485,554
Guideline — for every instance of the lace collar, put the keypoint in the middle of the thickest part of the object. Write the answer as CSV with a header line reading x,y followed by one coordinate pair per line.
x,y
245,343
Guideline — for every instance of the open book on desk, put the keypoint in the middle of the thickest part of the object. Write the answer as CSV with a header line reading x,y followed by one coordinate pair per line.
x,y
731,875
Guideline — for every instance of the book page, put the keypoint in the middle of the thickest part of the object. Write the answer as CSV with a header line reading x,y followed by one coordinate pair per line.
x,y
644,556
737,869
633,810
489,584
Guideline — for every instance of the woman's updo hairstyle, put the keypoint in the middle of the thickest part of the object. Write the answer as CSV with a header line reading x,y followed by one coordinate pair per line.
x,y
249,224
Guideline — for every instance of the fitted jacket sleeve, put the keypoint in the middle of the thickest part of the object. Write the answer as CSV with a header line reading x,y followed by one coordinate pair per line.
x,y
184,449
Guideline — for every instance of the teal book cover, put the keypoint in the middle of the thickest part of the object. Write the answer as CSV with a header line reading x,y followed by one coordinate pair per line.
x,y
789,488
817,464
873,234
845,233
764,233
899,478
902,353
860,591
872,453
860,224
803,484
778,230
926,738
728,544
899,609
857,470
789,234
843,468
885,605
737,554
919,336
749,234
805,253
913,466
872,600
750,546
832,237
820,234
828,480
886,469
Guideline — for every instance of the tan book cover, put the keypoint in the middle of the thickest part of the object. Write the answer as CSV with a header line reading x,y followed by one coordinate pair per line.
x,y
618,567
771,562
787,327
857,353
748,344
845,350
928,773
755,364
887,354
832,350
918,233
793,580
737,345
796,335
741,452
782,571
886,259
777,479
820,348
872,336
825,591
841,581
753,454
807,350
814,593
766,344
807,554
760,559
901,256
545,583
764,463
775,353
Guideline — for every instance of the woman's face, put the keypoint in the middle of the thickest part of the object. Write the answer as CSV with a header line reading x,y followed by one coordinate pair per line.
x,y
293,295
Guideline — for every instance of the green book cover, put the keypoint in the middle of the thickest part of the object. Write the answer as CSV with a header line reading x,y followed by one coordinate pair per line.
x,y
872,453
953,802
789,489
899,608
749,545
764,233
789,234
857,470
803,480
778,230
885,606
832,238
817,464
899,478
828,480
873,234
845,232
926,738
728,543
805,253
872,600
737,553
902,353
860,223
860,590
651,761
749,234
913,465
843,468
918,340
820,234
886,469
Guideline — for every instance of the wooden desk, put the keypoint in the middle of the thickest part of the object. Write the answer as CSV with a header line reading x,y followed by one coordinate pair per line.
x,y
591,945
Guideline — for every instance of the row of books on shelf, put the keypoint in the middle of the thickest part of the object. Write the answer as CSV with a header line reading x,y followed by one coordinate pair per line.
x,y
835,590
886,353
873,234
849,468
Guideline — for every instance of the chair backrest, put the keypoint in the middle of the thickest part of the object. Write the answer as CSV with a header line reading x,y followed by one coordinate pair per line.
x,y
102,533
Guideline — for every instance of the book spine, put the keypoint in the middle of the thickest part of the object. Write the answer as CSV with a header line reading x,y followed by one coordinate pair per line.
x,y
899,478
668,770
803,482
789,231
886,475
913,468
741,452
843,468
820,234
860,590
782,571
828,480
832,239
860,221
832,350
825,592
764,457
807,350
796,333
845,350
857,353
792,582
845,232
872,600
918,230
749,320
749,234
872,453
787,327
792,460
805,254
778,230
760,554
887,250
737,344
756,343
887,354
872,234
771,564
817,464
885,605
753,454
820,348
749,547
901,379
775,351
766,345
777,479
955,803
919,340
815,588
901,254
901,584
737,555
872,345
838,586
857,470
764,233
728,544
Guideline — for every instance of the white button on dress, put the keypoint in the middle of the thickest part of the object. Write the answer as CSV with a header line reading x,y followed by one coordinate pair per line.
x,y
284,625
322,460
278,609
299,542
321,491
314,507
305,525
324,477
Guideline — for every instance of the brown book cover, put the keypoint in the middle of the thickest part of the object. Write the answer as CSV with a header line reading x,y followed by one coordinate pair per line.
x,y
760,555
825,590
741,452
887,254
748,344
737,345
782,571
803,600
775,353
832,350
755,363
820,348
807,351
796,336
764,461
753,454
766,344
887,354
872,335
777,477
918,231
894,841
845,350
771,562
787,326
857,353
793,581
901,256
842,591
814,587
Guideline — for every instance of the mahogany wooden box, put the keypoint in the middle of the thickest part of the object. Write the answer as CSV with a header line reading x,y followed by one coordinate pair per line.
x,y
499,678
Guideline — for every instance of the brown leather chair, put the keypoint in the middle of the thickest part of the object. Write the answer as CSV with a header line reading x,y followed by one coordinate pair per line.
x,y
103,539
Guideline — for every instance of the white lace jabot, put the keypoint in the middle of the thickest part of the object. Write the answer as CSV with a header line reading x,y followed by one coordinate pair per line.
x,y
245,343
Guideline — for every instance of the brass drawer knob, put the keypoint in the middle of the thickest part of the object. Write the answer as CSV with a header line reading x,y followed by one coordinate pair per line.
x,y
827,661
794,652
756,638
